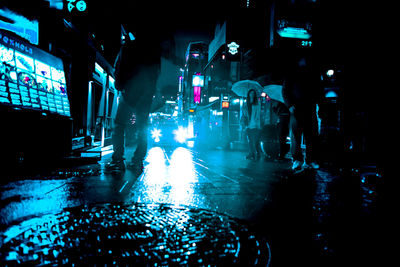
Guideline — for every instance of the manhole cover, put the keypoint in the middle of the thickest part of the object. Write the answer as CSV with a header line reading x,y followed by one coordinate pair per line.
x,y
136,234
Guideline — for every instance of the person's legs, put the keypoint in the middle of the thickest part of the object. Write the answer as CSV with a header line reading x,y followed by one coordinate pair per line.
x,y
139,97
118,141
311,136
141,127
297,131
142,110
252,142
283,131
118,136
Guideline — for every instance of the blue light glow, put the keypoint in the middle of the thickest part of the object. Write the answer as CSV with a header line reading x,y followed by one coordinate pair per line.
x,y
156,134
233,48
180,135
330,73
198,80
292,32
169,179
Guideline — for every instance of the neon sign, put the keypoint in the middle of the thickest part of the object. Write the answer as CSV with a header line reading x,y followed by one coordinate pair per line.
x,y
80,5
28,29
198,80
233,48
31,78
292,32
196,94
296,30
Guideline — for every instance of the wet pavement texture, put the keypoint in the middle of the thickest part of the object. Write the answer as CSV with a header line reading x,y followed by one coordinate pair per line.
x,y
138,234
237,212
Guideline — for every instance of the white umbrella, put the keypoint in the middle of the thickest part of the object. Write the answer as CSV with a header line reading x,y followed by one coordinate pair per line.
x,y
274,91
241,88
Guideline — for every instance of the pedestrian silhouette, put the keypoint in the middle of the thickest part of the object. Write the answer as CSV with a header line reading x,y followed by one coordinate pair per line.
x,y
137,68
301,93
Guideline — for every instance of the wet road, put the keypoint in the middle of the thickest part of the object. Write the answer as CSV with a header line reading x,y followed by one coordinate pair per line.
x,y
220,181
316,217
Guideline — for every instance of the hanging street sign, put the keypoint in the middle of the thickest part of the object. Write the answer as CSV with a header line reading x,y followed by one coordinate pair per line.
x,y
233,48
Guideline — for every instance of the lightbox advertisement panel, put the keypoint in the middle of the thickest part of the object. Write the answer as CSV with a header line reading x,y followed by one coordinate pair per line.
x,y
31,78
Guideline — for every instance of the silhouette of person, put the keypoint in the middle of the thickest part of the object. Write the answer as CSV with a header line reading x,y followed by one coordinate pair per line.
x,y
301,93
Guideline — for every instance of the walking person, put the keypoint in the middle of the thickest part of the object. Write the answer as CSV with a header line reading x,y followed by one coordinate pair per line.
x,y
254,126
301,92
137,69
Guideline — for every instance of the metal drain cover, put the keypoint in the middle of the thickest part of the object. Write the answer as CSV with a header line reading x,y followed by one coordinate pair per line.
x,y
135,234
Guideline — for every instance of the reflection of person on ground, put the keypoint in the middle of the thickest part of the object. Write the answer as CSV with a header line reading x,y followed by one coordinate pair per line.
x,y
301,92
254,126
136,71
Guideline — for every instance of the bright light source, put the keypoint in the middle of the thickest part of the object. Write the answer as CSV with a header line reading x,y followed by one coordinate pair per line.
x,y
190,144
330,73
225,104
233,48
180,135
13,75
293,32
331,94
213,98
156,134
196,94
111,80
198,80
98,68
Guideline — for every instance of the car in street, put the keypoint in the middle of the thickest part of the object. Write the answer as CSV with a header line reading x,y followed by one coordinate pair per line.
x,y
165,130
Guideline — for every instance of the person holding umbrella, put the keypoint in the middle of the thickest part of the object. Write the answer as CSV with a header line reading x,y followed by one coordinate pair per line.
x,y
254,124
251,116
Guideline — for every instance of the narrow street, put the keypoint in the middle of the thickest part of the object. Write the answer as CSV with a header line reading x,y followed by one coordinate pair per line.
x,y
221,181
195,133
312,215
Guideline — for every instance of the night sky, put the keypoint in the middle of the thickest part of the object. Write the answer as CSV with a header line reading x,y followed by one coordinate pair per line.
x,y
351,32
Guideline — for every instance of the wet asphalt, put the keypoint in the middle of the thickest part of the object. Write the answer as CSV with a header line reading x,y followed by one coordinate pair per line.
x,y
239,212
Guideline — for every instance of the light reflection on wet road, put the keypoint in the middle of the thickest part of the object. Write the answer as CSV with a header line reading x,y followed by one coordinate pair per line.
x,y
327,208
185,177
168,179
217,180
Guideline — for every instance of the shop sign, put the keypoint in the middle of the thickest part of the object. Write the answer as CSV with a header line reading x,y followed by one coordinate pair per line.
x,y
31,78
233,48
80,5
13,22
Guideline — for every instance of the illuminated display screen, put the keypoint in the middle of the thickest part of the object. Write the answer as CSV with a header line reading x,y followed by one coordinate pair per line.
x,y
31,78
198,80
